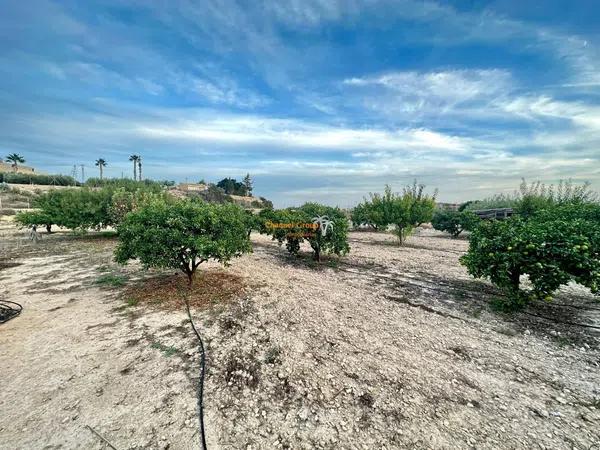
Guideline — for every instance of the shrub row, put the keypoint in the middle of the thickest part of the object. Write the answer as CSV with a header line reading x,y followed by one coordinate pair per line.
x,y
47,180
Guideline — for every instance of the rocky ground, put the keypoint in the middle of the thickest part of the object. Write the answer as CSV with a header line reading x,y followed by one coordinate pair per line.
x,y
388,347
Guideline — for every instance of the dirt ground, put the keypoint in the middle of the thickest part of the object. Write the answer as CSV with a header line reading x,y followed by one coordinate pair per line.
x,y
389,347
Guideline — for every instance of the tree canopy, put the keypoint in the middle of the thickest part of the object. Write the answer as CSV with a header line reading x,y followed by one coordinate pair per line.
x,y
183,234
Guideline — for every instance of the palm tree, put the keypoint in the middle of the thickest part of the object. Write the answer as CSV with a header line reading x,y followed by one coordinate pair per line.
x,y
140,167
101,165
135,159
15,159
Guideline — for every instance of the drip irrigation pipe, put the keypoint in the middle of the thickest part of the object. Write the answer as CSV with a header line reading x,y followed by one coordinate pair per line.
x,y
8,311
202,373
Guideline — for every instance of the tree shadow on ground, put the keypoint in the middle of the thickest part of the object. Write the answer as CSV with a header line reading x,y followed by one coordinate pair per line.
x,y
570,317
302,260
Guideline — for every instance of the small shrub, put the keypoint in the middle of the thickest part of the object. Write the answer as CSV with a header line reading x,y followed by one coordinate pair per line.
x,y
454,222
110,279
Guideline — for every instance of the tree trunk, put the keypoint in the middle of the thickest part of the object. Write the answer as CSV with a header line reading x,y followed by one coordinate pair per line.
x,y
100,172
515,276
134,170
399,234
49,228
317,255
140,169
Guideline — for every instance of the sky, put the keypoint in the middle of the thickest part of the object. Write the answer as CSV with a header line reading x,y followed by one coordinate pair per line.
x,y
319,100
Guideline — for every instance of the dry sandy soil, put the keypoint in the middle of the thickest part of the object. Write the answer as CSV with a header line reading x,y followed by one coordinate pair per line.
x,y
386,348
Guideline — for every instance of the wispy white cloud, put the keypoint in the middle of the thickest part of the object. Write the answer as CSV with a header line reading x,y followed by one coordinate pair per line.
x,y
251,130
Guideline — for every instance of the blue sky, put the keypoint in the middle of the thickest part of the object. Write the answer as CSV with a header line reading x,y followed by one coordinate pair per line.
x,y
318,99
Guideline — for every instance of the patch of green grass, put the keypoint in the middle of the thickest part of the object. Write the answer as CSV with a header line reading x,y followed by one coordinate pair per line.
x,y
168,351
111,279
103,268
563,341
132,301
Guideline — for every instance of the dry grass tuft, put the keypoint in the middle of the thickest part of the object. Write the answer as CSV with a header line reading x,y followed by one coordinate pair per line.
x,y
167,291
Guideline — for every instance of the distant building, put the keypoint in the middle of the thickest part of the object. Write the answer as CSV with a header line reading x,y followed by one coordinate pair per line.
x,y
452,206
192,187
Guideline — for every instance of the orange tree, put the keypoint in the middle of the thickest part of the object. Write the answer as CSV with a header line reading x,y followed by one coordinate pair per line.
x,y
182,235
324,228
553,247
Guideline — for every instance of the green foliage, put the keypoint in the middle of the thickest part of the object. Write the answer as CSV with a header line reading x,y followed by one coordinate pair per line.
x,y
405,211
81,209
494,202
537,196
15,159
326,239
76,209
247,182
124,201
366,213
214,194
253,222
126,184
109,279
552,249
324,228
266,203
46,180
232,186
454,222
183,234
167,350
34,218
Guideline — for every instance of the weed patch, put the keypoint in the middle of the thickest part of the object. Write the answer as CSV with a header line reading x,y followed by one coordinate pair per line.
x,y
168,351
112,280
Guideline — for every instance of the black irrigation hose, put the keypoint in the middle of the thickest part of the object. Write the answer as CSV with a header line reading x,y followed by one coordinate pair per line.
x,y
8,312
202,372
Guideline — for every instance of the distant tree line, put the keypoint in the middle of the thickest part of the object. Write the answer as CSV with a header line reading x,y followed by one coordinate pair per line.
x,y
46,180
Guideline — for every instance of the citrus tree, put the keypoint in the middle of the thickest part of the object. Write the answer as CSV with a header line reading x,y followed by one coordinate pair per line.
x,y
35,218
331,232
406,210
366,213
324,228
182,235
454,222
124,201
76,209
553,248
